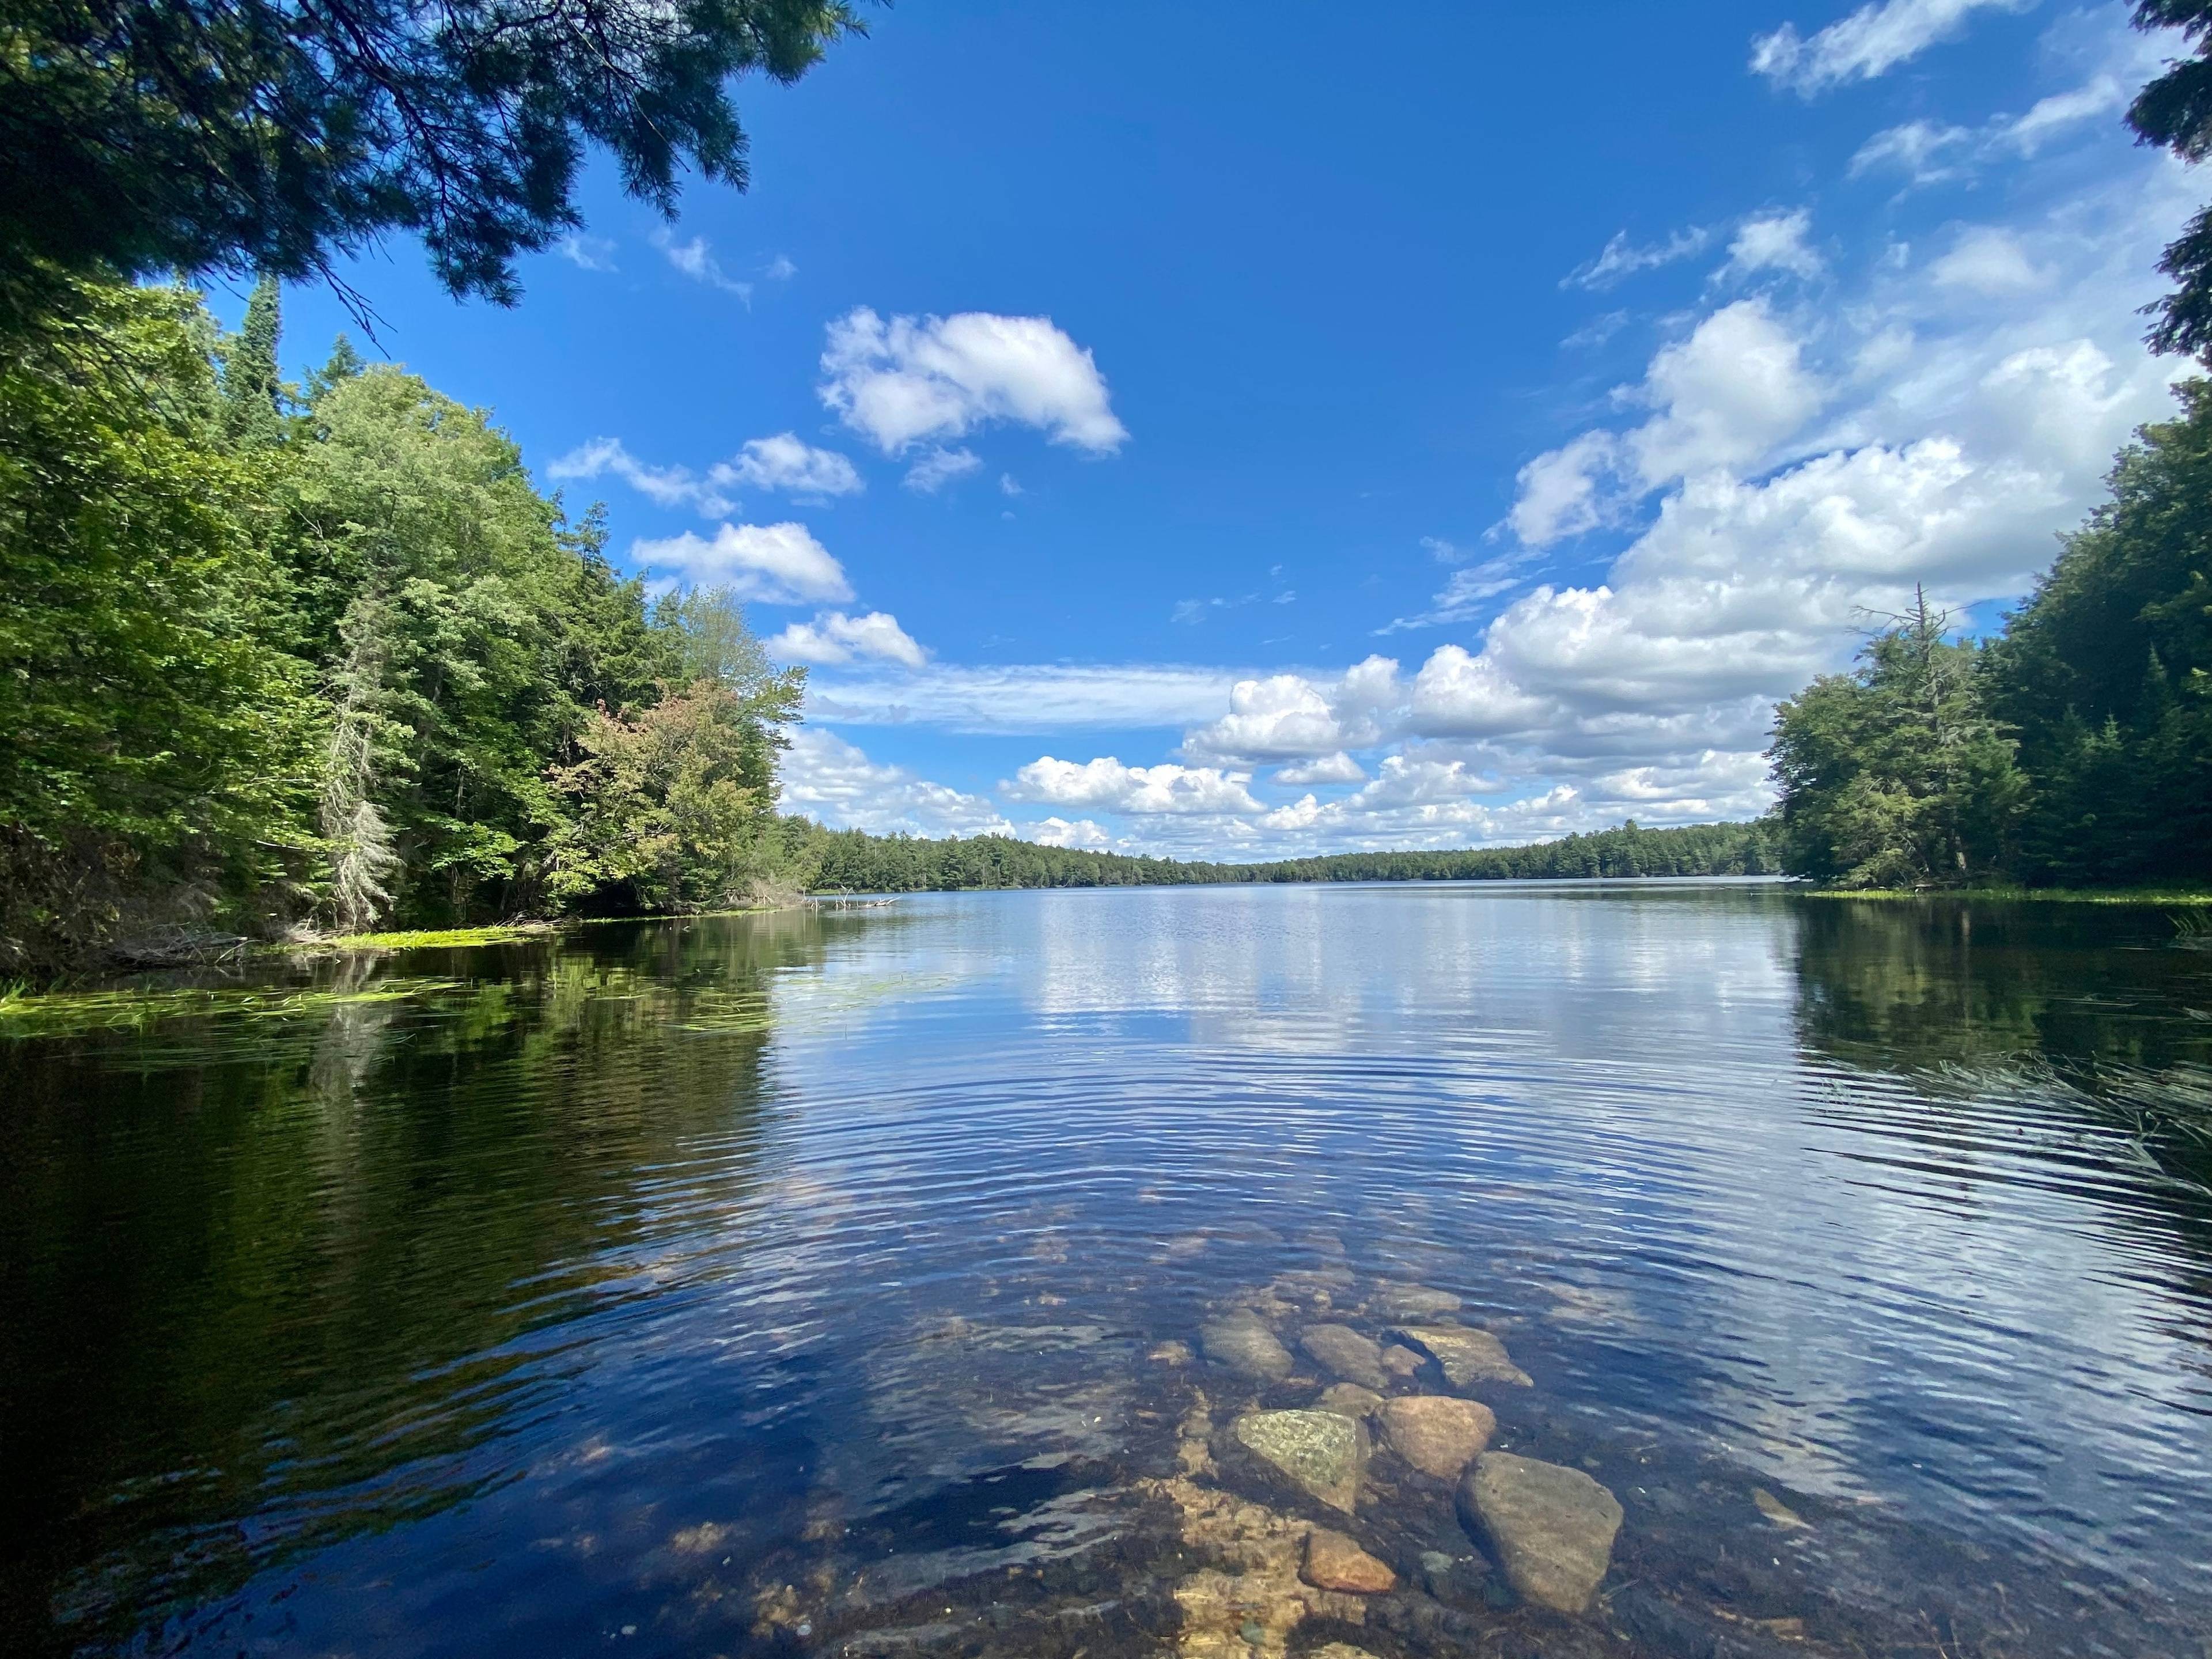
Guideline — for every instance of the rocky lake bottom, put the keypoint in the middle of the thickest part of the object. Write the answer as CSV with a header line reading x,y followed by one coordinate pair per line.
x,y
1524,1271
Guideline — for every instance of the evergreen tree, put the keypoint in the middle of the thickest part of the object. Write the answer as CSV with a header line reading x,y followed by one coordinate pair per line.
x,y
2107,672
1896,776
253,389
2174,112
141,136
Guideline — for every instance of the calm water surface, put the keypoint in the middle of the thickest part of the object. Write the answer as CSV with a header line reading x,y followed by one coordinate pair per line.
x,y
832,1282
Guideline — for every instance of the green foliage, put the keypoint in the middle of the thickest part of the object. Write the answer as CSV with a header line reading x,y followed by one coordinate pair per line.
x,y
252,388
2106,672
676,804
1895,775
459,680
854,862
143,136
153,732
349,664
2174,112
2076,748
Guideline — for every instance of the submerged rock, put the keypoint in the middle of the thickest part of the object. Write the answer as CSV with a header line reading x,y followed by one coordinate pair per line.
x,y
1320,1451
1467,1355
1399,1361
1777,1511
1334,1562
1414,1302
1457,1580
1553,1528
1242,1342
1344,1353
1349,1400
1245,1602
1438,1434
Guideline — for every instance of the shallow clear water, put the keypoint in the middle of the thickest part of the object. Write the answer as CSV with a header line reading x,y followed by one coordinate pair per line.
x,y
828,1282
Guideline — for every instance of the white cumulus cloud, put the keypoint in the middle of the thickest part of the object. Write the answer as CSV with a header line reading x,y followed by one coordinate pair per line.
x,y
1725,396
1107,785
834,782
787,462
1084,833
779,463
1290,717
768,564
1338,767
910,380
835,637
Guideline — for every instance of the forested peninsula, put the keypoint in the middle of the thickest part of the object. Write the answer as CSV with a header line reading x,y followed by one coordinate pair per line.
x,y
276,657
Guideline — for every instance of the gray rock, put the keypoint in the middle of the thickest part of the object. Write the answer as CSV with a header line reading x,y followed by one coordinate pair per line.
x,y
1349,1400
1320,1451
1414,1302
1553,1528
1467,1355
1345,1354
1242,1342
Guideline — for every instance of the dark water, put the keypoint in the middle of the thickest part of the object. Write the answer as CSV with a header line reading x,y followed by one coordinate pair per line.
x,y
815,1283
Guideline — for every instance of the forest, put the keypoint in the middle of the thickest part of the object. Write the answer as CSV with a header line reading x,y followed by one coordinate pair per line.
x,y
273,654
852,861
2071,746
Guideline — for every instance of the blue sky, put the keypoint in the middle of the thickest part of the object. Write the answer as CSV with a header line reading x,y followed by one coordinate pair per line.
x,y
1204,430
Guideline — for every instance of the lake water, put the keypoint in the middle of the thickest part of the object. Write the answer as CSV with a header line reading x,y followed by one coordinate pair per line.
x,y
834,1282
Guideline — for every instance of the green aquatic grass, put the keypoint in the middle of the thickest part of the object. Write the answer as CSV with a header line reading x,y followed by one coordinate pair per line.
x,y
420,938
25,1013
504,934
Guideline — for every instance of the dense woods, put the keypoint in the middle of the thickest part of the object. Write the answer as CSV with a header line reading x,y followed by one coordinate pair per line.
x,y
2073,747
851,861
272,654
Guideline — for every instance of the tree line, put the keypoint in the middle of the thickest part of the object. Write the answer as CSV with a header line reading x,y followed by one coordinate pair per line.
x,y
2072,746
853,861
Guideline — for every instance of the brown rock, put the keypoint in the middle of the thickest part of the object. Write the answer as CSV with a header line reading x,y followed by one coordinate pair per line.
x,y
1398,1360
1553,1528
1334,1562
1436,1433
1344,1353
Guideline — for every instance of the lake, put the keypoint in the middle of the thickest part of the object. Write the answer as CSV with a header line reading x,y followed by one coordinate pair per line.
x,y
907,1280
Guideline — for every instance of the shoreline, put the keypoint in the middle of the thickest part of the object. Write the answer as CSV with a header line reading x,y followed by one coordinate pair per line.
x,y
2113,896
